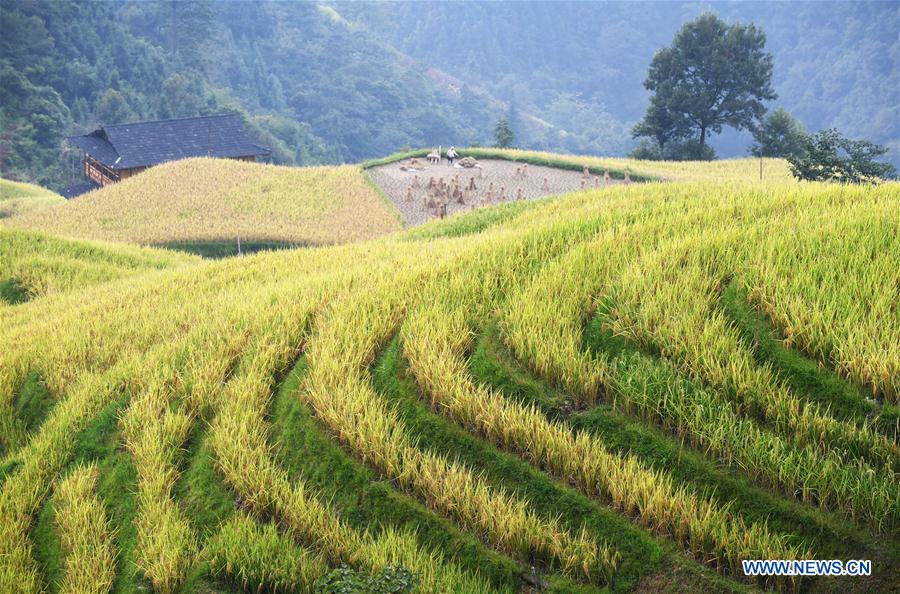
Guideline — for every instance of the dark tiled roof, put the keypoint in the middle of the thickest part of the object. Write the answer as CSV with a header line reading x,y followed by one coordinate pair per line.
x,y
96,145
123,146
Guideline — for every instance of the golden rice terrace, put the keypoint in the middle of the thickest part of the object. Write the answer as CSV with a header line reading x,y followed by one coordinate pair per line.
x,y
625,389
208,200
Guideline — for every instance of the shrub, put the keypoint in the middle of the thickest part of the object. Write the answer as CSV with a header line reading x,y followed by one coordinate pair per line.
x,y
829,156
689,150
390,580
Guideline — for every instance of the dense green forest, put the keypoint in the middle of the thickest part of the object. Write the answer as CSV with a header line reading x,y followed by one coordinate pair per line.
x,y
313,86
323,83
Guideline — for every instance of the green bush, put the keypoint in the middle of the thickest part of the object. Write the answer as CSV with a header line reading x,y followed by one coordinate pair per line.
x,y
390,580
829,156
688,150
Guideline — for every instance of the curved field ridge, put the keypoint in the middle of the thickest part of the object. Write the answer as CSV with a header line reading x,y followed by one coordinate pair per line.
x,y
608,391
221,200
17,198
35,264
747,169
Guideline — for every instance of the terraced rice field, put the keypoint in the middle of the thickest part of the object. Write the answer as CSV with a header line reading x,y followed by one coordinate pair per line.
x,y
624,389
34,264
17,198
216,200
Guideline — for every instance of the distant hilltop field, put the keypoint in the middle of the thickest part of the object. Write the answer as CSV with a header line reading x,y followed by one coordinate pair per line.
x,y
208,205
615,385
203,200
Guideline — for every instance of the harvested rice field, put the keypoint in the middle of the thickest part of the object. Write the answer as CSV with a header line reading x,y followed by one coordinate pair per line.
x,y
491,182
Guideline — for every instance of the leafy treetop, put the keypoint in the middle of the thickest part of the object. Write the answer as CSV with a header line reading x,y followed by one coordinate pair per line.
x,y
778,135
829,156
713,75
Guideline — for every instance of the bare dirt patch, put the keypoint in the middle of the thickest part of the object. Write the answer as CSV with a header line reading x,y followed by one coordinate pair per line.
x,y
457,188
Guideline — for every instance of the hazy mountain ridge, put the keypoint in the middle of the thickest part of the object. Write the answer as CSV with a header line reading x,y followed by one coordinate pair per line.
x,y
333,82
837,64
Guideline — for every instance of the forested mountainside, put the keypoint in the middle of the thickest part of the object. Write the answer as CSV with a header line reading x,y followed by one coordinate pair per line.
x,y
313,86
327,83
580,65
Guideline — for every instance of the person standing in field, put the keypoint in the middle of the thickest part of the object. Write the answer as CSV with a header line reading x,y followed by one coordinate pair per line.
x,y
451,155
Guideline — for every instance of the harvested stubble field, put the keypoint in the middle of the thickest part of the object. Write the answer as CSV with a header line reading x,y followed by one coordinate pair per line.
x,y
495,182
747,169
622,389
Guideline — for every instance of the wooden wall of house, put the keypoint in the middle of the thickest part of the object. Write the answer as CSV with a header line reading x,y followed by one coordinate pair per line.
x,y
126,173
98,172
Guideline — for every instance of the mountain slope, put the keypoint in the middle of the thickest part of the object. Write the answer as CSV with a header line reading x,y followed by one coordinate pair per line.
x,y
324,83
581,65
313,86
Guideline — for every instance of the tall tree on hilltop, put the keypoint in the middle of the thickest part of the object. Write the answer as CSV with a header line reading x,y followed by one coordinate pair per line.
x,y
503,134
713,75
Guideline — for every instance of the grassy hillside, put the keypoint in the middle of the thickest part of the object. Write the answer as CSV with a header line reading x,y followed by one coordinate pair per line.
x,y
632,388
17,198
209,200
35,264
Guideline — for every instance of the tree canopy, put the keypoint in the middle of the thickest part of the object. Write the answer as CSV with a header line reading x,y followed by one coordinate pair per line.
x,y
778,135
503,134
829,156
713,75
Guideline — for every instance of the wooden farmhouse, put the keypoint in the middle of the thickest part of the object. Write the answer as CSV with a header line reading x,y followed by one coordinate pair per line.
x,y
118,151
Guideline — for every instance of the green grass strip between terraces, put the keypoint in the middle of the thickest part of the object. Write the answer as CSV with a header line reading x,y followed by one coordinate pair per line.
x,y
209,505
99,443
640,552
47,549
832,535
304,449
646,387
12,292
30,407
803,374
257,558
